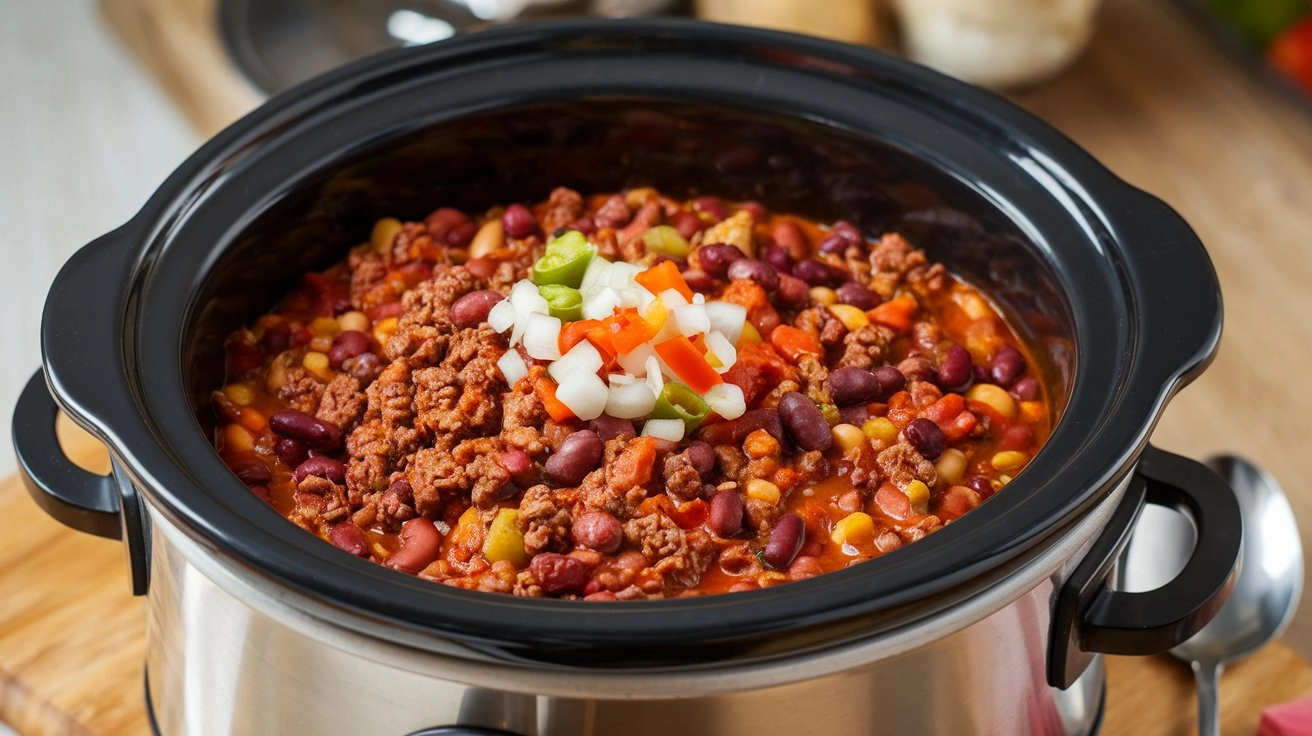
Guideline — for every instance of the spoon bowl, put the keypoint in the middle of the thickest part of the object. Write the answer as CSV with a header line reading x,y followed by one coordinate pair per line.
x,y
1266,590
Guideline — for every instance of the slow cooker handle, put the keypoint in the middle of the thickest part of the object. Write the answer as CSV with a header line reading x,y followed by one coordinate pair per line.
x,y
78,498
1091,617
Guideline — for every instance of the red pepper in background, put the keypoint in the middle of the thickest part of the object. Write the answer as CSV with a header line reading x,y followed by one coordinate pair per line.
x,y
1291,53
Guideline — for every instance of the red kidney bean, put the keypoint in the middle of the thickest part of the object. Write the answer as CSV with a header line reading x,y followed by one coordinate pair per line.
x,y
1026,389
365,367
785,541
836,244
926,437
954,369
440,221
701,456
519,465
687,223
559,574
315,433
244,356
816,273
792,292
715,258
400,492
322,466
421,543
291,452
459,236
518,222
858,296
750,269
1016,437
608,428
980,485
1006,366
755,209
778,258
698,280
601,595
725,516
347,345
734,430
851,385
252,472
347,536
578,455
276,338
848,232
585,225
803,422
598,530
471,310
711,206
890,380
615,213
805,567
857,414
789,236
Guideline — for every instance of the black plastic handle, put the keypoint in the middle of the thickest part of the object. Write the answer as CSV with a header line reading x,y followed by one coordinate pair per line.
x,y
463,731
1091,617
78,498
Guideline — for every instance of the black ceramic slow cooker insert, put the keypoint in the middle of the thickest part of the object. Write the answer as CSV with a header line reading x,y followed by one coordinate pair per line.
x,y
1112,289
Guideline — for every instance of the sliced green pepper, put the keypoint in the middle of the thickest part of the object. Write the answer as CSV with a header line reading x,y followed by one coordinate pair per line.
x,y
565,303
666,241
677,401
565,261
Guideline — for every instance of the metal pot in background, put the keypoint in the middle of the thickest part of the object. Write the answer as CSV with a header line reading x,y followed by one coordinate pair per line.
x,y
983,627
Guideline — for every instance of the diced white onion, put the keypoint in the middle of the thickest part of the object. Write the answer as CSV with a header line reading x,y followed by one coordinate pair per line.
x,y
584,394
664,429
601,304
512,366
620,379
542,337
726,399
654,378
582,358
691,319
634,362
727,319
595,276
633,296
672,298
723,350
502,316
524,295
698,298
630,401
621,275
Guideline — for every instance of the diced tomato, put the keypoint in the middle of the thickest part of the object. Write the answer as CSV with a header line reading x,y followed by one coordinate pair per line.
x,y
688,364
662,276
794,343
895,314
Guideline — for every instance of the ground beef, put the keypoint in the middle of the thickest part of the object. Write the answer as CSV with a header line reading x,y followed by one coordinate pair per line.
x,y
630,237
814,374
564,208
866,347
546,526
891,259
614,214
923,393
301,390
343,402
682,481
368,272
902,464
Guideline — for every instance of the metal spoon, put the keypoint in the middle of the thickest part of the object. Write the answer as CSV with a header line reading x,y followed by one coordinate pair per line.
x,y
1266,591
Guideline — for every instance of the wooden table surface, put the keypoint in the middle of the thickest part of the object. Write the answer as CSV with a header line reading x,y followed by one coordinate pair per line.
x,y
1153,98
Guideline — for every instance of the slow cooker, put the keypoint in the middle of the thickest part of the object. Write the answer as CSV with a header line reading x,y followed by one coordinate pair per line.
x,y
992,625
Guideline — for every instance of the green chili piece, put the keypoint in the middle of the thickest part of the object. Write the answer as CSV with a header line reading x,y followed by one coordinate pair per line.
x,y
665,240
565,261
565,303
677,401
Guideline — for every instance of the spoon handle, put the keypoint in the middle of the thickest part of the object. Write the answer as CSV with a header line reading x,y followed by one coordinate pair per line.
x,y
1207,676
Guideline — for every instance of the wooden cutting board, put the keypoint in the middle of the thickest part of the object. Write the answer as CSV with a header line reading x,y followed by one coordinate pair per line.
x,y
72,641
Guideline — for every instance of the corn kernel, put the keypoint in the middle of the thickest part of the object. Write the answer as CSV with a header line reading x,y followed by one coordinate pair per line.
x,y
321,343
824,295
328,326
951,465
317,363
384,330
239,393
1031,411
763,490
353,320
504,539
851,317
384,233
849,437
750,335
253,420
855,528
238,438
760,444
1009,460
880,429
995,397
918,493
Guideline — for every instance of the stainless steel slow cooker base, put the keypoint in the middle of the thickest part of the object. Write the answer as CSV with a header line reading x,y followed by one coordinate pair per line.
x,y
233,653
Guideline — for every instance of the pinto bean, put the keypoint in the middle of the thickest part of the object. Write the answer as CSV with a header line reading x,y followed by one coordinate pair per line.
x,y
471,310
558,573
726,514
347,536
421,543
597,530
785,541
803,422
314,433
578,455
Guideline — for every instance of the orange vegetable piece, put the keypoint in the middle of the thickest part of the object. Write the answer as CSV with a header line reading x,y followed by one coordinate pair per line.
x,y
750,296
662,276
895,314
545,388
627,330
688,364
793,343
